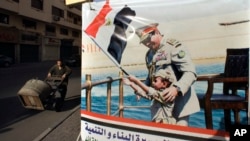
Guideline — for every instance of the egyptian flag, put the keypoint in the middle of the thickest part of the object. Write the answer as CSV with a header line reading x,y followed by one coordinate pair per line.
x,y
98,20
107,26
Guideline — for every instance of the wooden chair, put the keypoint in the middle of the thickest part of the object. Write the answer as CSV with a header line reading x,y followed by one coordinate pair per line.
x,y
234,78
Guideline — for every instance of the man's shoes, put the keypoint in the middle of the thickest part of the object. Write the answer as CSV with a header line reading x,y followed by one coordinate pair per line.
x,y
58,109
59,105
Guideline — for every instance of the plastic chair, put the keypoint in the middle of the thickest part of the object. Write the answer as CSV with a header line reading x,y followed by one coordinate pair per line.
x,y
234,78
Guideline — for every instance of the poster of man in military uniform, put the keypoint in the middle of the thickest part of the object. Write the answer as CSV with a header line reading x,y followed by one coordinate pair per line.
x,y
180,36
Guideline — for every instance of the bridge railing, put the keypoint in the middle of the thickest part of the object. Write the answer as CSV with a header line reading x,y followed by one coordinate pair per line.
x,y
89,84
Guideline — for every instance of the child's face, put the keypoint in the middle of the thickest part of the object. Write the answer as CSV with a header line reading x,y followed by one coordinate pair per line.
x,y
159,84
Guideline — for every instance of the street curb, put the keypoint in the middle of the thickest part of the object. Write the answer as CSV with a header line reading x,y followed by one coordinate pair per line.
x,y
56,124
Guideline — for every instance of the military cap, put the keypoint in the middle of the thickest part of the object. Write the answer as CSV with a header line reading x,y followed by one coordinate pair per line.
x,y
165,74
143,32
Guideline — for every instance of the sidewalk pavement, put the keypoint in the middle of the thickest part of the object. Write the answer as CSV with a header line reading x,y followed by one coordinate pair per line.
x,y
66,129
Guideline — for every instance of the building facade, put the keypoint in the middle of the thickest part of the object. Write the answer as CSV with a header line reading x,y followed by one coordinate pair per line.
x,y
39,30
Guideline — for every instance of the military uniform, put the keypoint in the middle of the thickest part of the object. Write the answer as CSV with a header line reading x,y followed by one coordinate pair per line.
x,y
172,55
161,111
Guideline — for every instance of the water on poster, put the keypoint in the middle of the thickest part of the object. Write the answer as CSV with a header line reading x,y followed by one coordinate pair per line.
x,y
196,120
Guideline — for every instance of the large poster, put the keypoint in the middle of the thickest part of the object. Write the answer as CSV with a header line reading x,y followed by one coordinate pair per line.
x,y
116,38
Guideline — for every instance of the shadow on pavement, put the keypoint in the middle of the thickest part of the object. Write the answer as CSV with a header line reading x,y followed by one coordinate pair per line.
x,y
71,102
12,111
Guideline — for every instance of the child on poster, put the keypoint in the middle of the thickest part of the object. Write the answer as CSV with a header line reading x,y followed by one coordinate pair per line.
x,y
161,111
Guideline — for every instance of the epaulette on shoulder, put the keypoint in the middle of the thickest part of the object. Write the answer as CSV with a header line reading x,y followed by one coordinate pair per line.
x,y
173,42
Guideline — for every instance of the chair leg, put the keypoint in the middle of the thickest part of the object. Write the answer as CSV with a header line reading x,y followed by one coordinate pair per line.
x,y
208,117
227,119
247,117
236,116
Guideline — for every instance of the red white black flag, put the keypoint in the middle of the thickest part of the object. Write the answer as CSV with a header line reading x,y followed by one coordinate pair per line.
x,y
107,27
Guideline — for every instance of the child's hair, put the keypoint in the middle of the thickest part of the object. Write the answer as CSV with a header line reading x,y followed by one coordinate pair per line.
x,y
166,76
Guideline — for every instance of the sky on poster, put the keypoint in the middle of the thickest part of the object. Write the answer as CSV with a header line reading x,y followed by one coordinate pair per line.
x,y
167,11
184,9
193,22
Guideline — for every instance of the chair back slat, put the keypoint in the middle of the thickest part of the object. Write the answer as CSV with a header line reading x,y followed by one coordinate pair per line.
x,y
236,65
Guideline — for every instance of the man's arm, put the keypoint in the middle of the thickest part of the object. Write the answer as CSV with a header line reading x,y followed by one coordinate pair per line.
x,y
50,72
184,65
68,71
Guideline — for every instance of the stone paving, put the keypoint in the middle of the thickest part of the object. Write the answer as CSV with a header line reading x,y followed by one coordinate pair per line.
x,y
67,130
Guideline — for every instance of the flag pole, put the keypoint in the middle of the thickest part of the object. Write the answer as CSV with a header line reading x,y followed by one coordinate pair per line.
x,y
110,57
